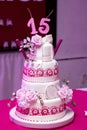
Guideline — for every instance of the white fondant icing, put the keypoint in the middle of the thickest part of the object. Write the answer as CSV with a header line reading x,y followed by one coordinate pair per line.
x,y
39,87
47,52
38,71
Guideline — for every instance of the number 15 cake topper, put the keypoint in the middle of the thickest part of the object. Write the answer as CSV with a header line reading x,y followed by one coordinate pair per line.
x,y
43,25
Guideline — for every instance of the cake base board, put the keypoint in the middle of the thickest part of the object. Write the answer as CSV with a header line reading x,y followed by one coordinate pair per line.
x,y
42,125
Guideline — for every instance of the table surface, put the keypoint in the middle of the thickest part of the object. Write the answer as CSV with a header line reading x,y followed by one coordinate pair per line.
x,y
79,122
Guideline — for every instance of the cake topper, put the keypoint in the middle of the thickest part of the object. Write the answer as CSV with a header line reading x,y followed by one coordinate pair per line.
x,y
33,43
43,25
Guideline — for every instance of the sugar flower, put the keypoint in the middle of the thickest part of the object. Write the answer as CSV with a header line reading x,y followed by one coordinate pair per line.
x,y
27,44
65,93
30,96
37,40
25,97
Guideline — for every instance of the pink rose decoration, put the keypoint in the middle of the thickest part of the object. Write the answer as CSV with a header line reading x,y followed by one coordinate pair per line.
x,y
35,111
31,96
49,72
44,111
54,110
40,72
65,93
25,97
31,72
37,39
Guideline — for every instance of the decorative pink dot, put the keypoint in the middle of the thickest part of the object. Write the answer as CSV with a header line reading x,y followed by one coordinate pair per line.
x,y
25,111
35,111
44,111
31,72
39,72
56,71
54,110
49,72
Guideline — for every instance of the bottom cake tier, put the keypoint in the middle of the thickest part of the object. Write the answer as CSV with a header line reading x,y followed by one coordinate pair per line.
x,y
66,119
48,110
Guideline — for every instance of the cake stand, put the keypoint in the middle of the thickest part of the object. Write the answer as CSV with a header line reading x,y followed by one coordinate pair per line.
x,y
45,125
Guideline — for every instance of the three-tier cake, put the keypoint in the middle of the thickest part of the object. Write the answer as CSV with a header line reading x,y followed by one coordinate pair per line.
x,y
42,99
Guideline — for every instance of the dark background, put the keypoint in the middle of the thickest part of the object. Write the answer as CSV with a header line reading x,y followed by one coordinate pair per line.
x,y
17,12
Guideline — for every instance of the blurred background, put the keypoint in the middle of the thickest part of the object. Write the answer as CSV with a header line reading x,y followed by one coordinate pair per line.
x,y
68,22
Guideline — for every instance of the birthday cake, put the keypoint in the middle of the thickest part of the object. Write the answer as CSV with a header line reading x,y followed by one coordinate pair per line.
x,y
42,99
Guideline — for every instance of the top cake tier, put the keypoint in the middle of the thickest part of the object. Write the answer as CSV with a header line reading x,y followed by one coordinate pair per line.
x,y
39,48
38,71
40,67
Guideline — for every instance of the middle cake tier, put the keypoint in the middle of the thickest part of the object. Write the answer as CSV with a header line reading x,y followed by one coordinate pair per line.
x,y
40,72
